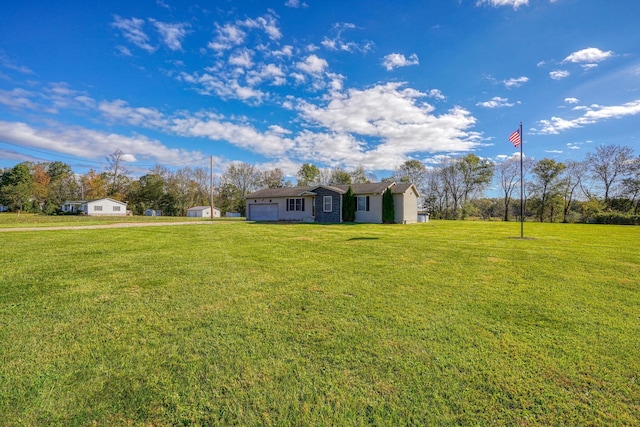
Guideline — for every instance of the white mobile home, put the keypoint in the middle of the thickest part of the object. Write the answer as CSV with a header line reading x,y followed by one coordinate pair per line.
x,y
99,207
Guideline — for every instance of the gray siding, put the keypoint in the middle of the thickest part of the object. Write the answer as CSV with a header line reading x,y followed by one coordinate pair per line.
x,y
336,206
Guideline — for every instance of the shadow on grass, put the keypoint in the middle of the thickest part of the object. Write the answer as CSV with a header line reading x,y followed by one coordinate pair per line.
x,y
363,238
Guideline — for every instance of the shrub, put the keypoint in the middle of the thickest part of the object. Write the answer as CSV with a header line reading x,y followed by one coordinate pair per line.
x,y
615,218
349,206
388,211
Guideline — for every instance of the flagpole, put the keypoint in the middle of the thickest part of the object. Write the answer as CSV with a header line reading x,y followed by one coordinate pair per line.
x,y
521,186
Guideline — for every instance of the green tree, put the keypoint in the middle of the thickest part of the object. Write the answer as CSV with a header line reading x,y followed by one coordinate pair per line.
x,y
308,174
349,206
388,210
546,186
340,176
412,171
62,185
16,188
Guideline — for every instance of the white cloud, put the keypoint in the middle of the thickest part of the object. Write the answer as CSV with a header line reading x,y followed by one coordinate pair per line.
x,y
18,98
337,42
266,23
395,60
124,50
242,58
295,4
391,115
496,102
227,36
589,57
222,85
268,72
120,111
437,94
132,30
571,100
497,3
6,62
312,65
559,74
594,114
92,144
172,34
515,82
270,144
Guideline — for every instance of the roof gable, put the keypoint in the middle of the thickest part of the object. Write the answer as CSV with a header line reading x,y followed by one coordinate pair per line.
x,y
106,198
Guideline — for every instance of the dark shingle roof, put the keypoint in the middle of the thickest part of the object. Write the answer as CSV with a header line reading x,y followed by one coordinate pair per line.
x,y
368,188
401,188
280,192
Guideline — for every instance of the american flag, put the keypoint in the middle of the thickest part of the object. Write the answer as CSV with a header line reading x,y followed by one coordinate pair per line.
x,y
515,138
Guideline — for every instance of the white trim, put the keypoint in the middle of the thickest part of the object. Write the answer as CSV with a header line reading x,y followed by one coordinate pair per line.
x,y
324,203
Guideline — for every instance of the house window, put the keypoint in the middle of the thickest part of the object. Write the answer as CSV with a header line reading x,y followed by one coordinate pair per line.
x,y
362,203
116,208
327,203
295,204
97,208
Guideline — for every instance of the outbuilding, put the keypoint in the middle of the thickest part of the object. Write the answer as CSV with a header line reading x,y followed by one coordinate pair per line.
x,y
203,212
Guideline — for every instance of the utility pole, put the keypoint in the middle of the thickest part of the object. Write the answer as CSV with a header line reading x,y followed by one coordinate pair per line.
x,y
211,185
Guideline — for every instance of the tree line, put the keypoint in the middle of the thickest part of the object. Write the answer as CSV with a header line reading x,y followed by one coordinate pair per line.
x,y
605,184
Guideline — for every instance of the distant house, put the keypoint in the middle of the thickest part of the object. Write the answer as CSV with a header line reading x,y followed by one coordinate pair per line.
x,y
99,207
152,212
203,212
323,203
72,206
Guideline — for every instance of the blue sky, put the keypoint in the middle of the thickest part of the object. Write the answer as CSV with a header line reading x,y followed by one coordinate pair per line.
x,y
334,83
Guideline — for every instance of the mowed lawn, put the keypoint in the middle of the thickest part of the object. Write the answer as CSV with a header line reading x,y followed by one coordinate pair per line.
x,y
236,323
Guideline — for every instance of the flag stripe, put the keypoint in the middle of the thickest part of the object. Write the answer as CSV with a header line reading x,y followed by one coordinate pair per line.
x,y
515,138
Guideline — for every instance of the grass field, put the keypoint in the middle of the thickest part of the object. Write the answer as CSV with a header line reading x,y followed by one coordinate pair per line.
x,y
236,323
9,220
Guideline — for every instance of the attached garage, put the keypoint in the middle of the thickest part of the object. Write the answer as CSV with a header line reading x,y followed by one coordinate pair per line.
x,y
263,212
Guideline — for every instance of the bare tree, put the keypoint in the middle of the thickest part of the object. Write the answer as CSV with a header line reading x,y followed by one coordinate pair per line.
x,y
116,172
243,176
464,178
608,163
273,178
413,171
574,174
359,175
508,177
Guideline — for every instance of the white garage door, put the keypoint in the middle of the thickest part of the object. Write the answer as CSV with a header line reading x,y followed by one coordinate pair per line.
x,y
263,212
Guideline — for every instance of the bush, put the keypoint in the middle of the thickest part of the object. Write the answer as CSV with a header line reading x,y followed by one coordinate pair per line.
x,y
388,211
349,206
615,218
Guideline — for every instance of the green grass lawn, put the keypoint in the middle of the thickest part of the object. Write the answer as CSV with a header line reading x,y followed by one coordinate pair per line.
x,y
12,220
236,323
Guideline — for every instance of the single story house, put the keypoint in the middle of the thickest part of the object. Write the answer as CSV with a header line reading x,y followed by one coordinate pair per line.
x,y
203,212
323,203
104,207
